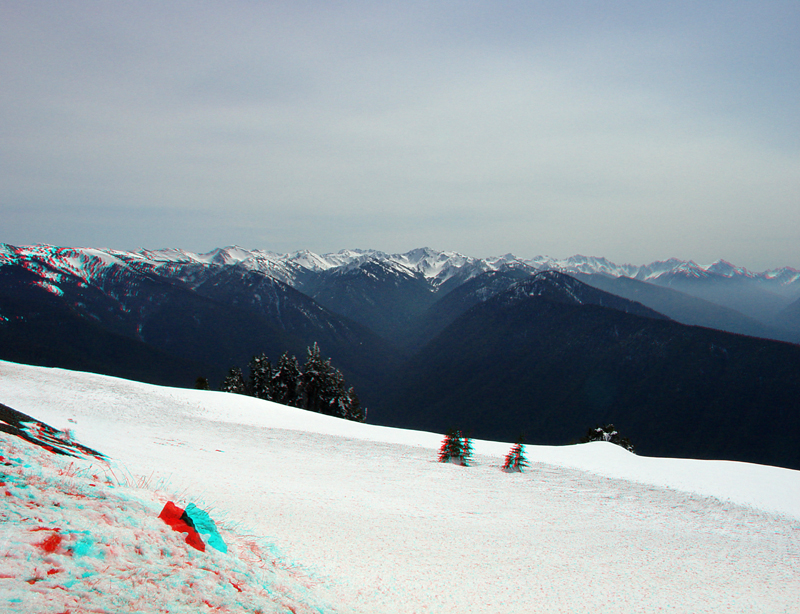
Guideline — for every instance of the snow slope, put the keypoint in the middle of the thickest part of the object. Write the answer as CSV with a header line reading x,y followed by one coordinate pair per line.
x,y
76,538
375,525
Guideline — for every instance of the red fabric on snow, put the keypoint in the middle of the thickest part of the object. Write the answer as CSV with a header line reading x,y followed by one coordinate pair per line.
x,y
177,519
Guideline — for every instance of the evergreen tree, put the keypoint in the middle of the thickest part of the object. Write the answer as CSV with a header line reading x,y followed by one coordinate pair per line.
x,y
234,382
515,459
286,381
315,397
355,411
261,377
334,395
201,383
455,448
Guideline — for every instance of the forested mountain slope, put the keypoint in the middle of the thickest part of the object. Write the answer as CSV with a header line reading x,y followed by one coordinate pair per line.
x,y
546,360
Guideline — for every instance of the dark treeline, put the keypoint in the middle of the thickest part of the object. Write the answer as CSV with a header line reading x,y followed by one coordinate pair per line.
x,y
316,386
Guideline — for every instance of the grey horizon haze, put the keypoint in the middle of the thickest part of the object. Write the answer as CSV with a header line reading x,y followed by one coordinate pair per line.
x,y
636,131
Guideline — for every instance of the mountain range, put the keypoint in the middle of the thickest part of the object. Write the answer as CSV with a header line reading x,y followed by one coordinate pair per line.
x,y
687,360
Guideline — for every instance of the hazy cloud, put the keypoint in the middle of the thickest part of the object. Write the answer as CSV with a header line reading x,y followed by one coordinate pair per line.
x,y
620,129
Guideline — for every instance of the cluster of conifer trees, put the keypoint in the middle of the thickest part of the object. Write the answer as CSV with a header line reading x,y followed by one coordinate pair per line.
x,y
456,448
607,433
316,386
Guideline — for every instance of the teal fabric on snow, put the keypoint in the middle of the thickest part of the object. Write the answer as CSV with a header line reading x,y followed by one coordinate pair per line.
x,y
204,525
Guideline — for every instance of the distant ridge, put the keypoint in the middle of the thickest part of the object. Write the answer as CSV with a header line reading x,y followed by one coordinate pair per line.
x,y
436,266
732,298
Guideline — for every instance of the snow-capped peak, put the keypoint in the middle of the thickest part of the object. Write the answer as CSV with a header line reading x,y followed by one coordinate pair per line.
x,y
231,255
726,269
174,255
434,265
785,275
310,260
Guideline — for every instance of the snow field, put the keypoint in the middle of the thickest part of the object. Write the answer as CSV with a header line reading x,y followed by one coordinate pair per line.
x,y
74,539
380,527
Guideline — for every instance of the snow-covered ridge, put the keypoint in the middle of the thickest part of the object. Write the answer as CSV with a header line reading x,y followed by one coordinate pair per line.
x,y
436,266
42,389
548,282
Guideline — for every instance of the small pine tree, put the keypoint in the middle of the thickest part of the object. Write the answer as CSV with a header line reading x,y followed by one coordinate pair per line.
x,y
456,449
515,459
201,383
451,447
234,382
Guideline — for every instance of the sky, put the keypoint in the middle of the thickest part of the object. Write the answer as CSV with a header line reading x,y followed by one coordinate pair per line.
x,y
632,130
